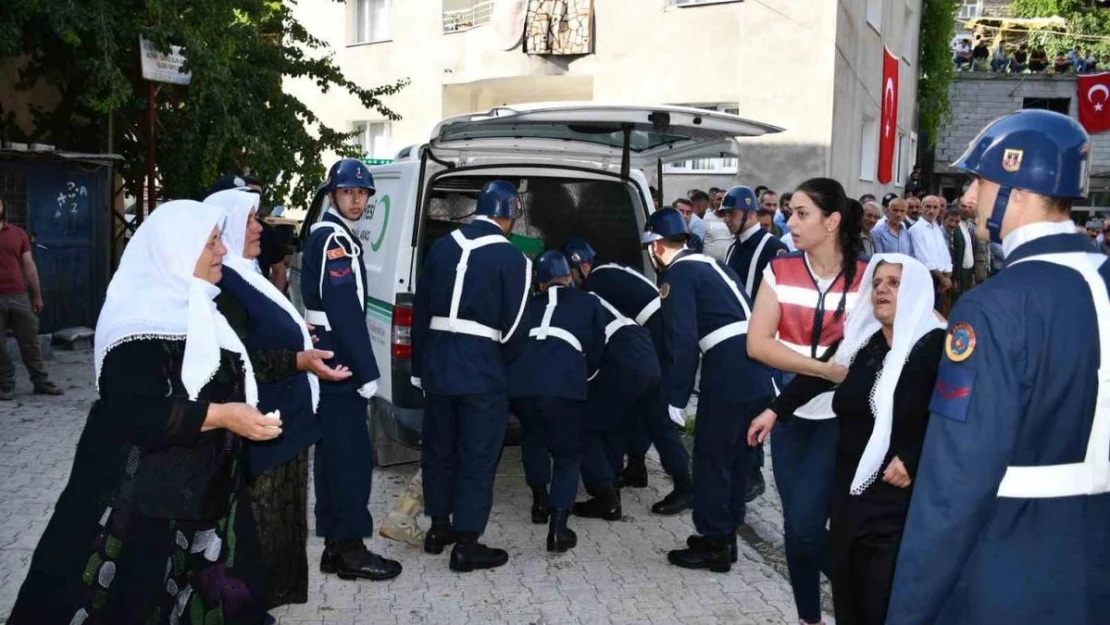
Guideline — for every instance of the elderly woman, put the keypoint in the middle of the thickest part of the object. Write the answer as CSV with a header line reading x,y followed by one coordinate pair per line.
x,y
155,524
892,346
286,367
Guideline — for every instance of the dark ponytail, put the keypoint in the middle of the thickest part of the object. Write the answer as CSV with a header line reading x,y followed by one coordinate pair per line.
x,y
829,196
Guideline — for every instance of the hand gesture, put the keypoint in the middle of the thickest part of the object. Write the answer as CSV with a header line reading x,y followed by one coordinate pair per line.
x,y
36,304
312,361
761,427
896,474
246,421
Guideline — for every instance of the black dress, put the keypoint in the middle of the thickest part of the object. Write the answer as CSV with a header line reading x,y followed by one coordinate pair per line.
x,y
867,528
155,523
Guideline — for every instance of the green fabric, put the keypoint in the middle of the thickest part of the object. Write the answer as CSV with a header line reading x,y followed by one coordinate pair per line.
x,y
531,247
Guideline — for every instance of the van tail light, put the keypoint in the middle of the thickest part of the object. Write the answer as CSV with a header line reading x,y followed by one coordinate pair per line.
x,y
401,335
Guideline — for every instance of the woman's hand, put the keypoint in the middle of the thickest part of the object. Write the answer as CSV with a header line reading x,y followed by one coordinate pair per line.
x,y
834,372
312,361
761,427
896,474
244,420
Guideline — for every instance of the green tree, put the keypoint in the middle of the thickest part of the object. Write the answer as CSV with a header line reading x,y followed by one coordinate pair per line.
x,y
233,116
938,26
1088,24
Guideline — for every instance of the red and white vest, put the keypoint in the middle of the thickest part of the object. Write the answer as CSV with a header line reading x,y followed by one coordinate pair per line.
x,y
808,322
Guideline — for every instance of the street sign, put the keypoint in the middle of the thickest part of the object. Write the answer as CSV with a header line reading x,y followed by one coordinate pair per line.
x,y
159,67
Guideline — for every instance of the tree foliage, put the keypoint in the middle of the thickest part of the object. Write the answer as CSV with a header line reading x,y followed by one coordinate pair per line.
x,y
938,26
1084,17
233,116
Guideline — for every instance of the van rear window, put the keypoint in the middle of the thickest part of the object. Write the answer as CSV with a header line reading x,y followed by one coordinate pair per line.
x,y
555,210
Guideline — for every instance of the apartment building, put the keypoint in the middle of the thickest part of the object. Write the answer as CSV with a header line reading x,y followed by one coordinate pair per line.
x,y
812,67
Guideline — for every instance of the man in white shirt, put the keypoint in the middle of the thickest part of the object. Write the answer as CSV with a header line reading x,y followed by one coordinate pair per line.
x,y
931,248
717,238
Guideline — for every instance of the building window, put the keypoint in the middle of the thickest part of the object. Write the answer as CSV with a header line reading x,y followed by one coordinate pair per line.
x,y
373,139
911,157
900,161
875,14
869,149
909,36
970,9
371,21
1059,105
13,192
705,165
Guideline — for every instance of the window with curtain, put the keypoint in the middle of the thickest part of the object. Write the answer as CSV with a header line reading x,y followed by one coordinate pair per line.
x,y
373,139
371,21
869,149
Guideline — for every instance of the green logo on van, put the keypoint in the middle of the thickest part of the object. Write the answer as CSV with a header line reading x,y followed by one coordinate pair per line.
x,y
383,203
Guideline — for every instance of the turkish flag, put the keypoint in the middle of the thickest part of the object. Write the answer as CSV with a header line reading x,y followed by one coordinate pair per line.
x,y
1094,102
888,129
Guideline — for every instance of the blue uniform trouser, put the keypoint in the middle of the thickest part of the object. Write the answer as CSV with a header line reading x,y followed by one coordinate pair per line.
x,y
660,431
342,467
722,462
462,439
804,453
552,436
616,401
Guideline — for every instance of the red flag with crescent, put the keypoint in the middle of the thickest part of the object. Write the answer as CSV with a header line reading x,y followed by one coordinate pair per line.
x,y
1094,102
888,126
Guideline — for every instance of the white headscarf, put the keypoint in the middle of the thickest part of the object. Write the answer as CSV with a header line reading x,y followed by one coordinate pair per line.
x,y
154,294
913,319
237,205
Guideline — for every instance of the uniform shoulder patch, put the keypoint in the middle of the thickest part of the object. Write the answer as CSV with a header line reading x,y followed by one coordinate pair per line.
x,y
960,342
337,253
952,393
664,290
781,252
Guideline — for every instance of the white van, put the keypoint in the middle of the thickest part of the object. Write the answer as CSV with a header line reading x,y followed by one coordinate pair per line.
x,y
579,168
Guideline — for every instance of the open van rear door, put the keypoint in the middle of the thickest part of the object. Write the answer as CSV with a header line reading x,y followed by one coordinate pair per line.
x,y
608,136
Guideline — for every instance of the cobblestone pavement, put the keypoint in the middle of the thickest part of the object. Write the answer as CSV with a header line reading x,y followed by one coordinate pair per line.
x,y
617,574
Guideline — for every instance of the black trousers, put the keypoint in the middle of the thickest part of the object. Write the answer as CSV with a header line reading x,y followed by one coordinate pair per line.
x,y
863,568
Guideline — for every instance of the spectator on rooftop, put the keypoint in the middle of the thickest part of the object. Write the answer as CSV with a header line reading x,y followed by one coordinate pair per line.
x,y
1038,61
979,56
961,54
1062,65
1019,61
1001,59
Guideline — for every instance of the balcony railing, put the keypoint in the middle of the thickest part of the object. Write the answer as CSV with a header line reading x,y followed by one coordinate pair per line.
x,y
462,20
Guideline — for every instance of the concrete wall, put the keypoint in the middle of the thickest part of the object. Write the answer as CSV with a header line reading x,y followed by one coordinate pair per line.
x,y
979,98
777,61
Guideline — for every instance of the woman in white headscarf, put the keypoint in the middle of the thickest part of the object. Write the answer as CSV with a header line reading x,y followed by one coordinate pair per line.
x,y
155,524
286,367
892,347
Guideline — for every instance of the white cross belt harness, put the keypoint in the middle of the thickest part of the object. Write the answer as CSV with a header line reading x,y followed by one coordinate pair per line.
x,y
619,321
452,323
1092,476
546,329
319,317
727,331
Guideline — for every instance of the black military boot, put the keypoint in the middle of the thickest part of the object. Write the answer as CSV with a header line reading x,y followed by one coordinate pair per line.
x,y
348,558
539,505
469,554
699,542
606,505
439,536
559,536
679,499
712,554
756,486
634,474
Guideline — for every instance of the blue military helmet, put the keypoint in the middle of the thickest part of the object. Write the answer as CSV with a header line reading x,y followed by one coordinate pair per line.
x,y
550,265
499,199
1036,150
578,251
739,198
350,173
665,223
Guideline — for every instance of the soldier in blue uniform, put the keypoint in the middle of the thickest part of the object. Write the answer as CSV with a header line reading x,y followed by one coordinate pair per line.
x,y
548,384
748,256
333,288
469,302
706,315
633,296
1010,516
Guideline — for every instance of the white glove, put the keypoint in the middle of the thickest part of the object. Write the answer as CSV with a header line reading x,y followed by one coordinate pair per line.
x,y
678,415
416,383
369,389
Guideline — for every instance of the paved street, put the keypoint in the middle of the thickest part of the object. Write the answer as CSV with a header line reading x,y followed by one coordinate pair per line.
x,y
617,574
